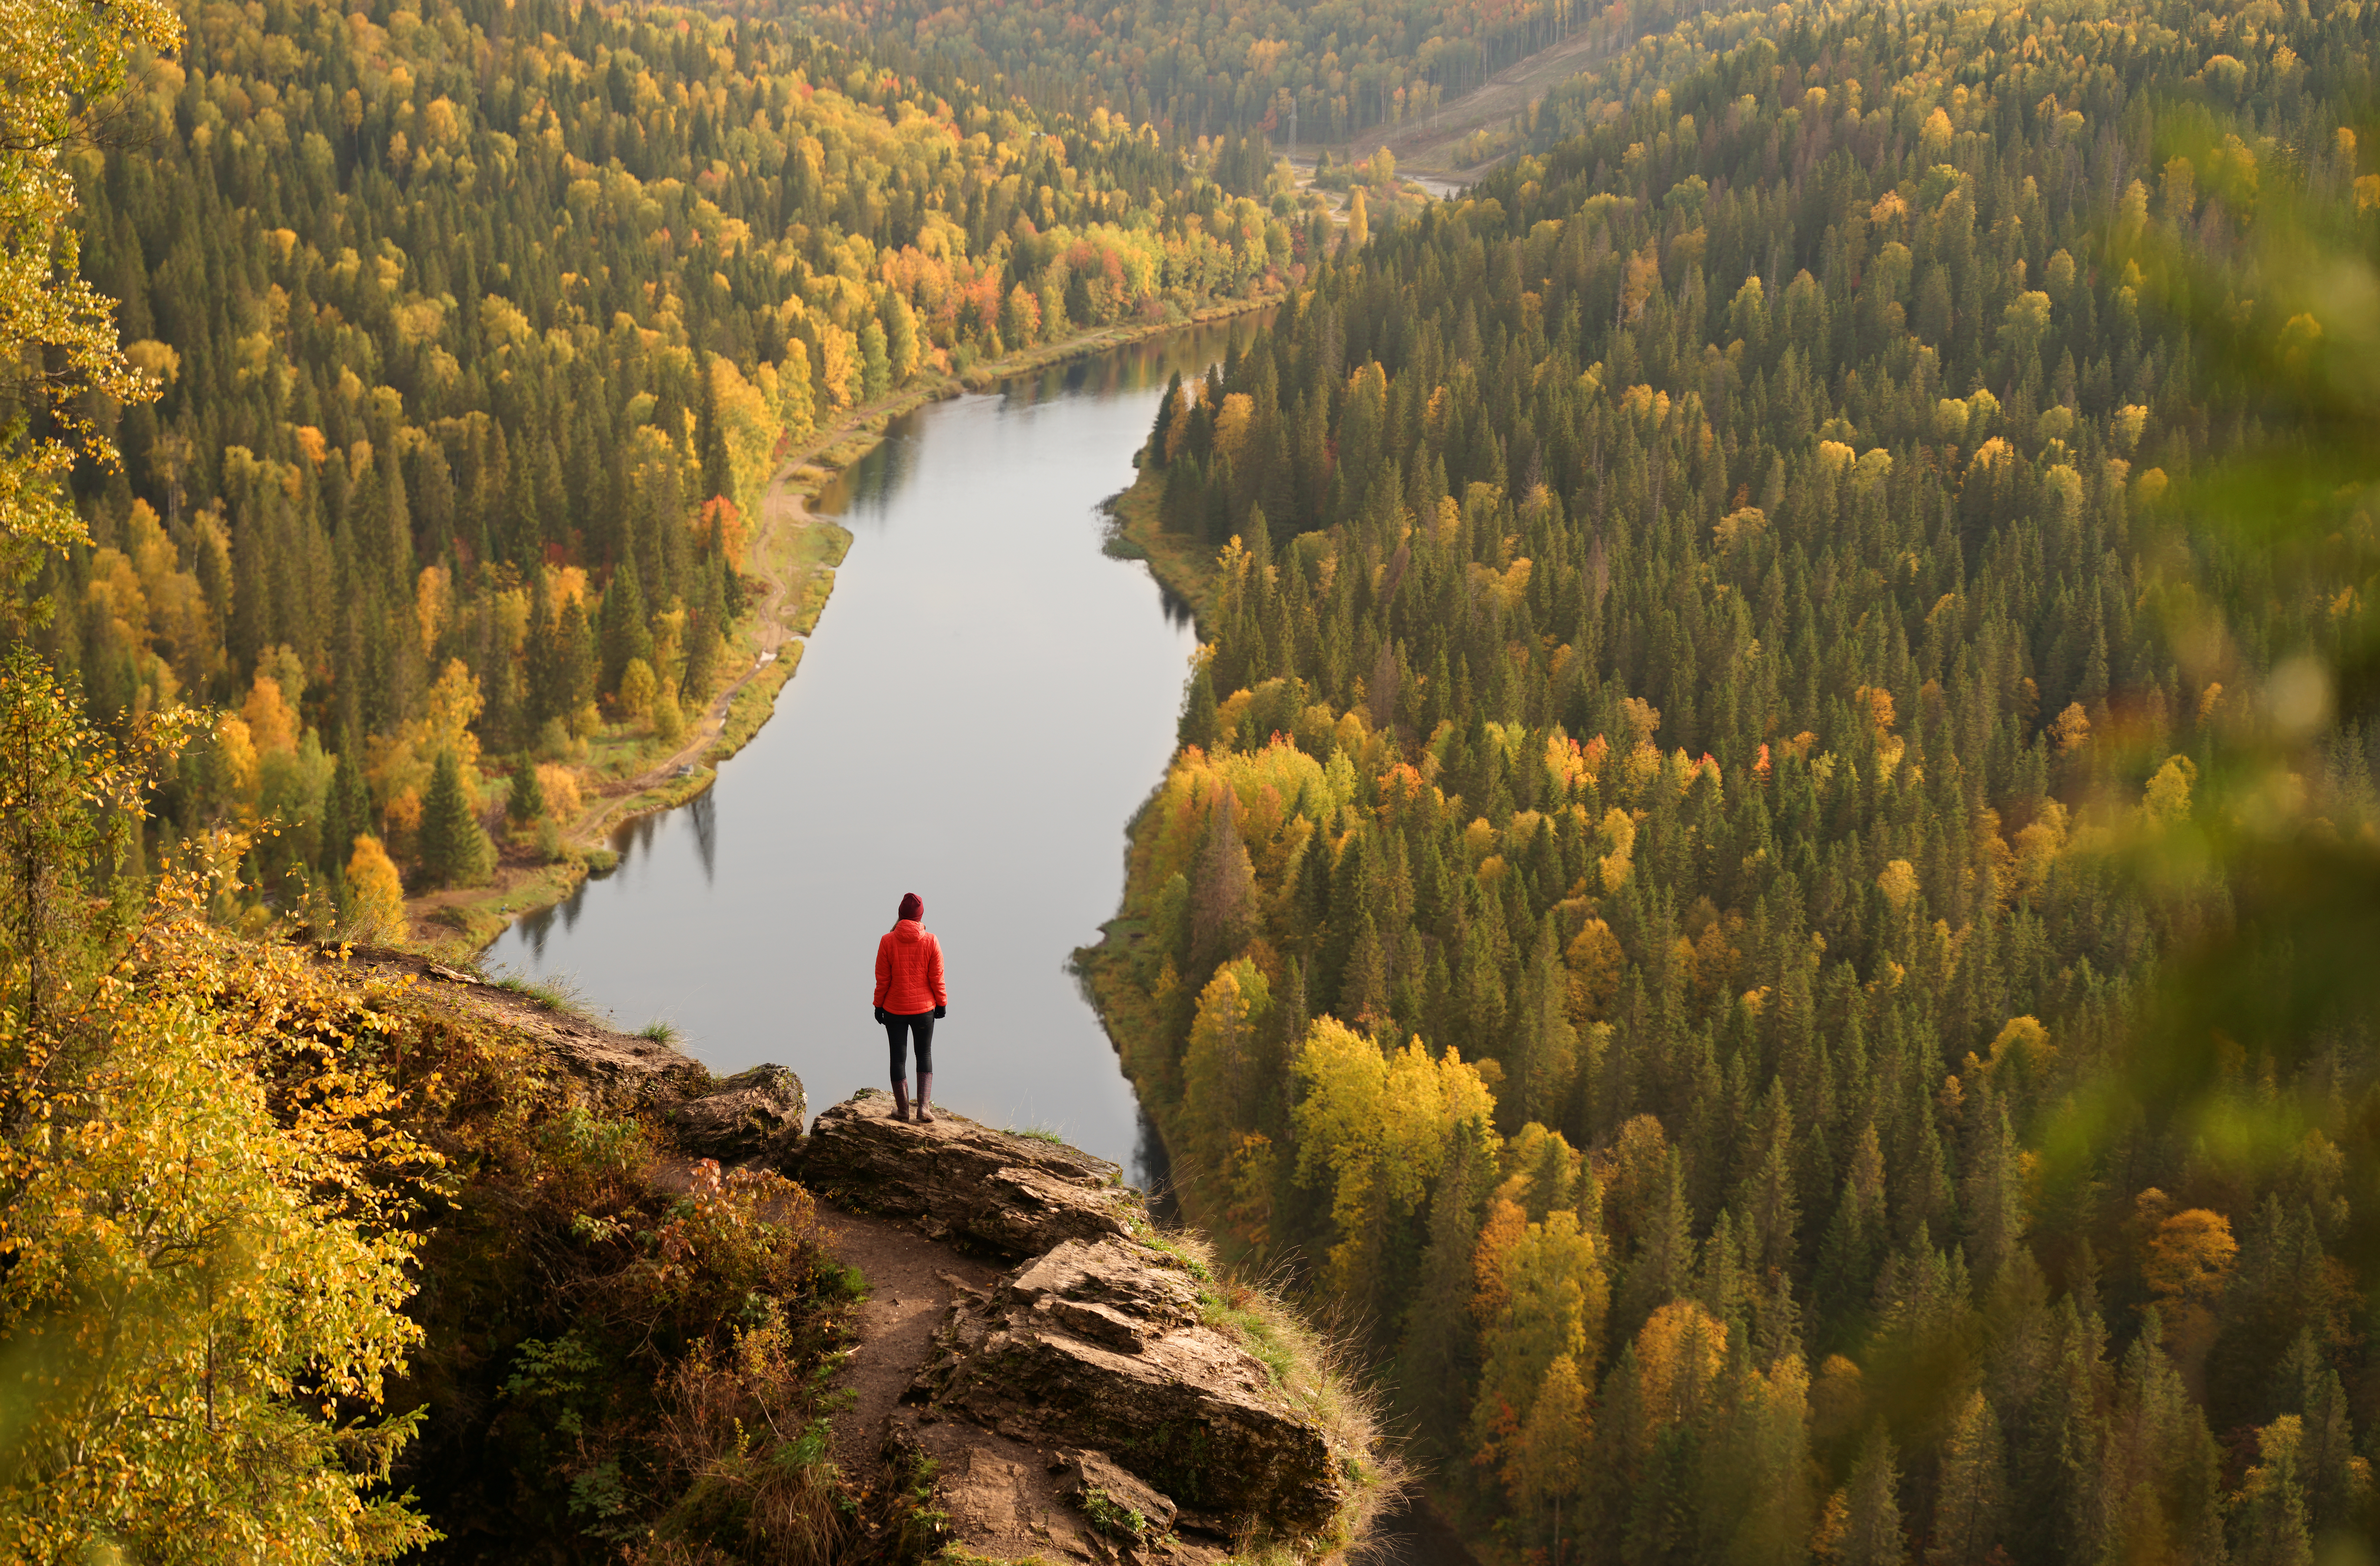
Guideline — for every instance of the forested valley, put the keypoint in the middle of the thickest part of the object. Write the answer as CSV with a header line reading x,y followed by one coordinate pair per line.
x,y
387,398
1711,898
480,332
1768,889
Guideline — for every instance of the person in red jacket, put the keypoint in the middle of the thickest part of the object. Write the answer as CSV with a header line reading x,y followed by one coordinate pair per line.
x,y
909,997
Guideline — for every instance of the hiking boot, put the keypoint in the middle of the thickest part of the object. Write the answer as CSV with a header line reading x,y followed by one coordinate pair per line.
x,y
925,1098
900,1101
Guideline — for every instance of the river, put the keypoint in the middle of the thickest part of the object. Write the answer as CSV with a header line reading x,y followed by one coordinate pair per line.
x,y
986,701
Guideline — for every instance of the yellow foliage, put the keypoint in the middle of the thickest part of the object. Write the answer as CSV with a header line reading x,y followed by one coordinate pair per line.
x,y
1269,782
2166,801
2190,1257
1377,1125
1618,830
1595,962
1221,1068
433,598
376,894
204,1283
560,786
273,728
1678,1354
1232,424
235,751
399,766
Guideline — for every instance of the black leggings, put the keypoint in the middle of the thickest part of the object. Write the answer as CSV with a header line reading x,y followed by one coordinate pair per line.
x,y
897,1029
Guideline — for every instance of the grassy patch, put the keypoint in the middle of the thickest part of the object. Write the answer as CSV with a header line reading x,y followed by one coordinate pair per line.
x,y
660,1032
1040,1133
552,995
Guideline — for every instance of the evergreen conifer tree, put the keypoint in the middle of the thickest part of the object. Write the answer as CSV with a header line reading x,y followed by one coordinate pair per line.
x,y
624,633
525,802
1198,726
450,852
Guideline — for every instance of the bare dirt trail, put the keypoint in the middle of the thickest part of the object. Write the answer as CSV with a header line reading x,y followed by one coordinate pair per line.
x,y
910,1279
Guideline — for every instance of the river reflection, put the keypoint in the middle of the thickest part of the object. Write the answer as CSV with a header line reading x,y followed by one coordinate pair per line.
x,y
988,699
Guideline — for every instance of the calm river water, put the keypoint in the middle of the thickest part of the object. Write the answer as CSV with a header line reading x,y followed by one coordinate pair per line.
x,y
986,700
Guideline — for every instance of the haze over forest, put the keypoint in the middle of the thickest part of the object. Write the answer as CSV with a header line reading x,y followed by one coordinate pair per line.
x,y
1766,902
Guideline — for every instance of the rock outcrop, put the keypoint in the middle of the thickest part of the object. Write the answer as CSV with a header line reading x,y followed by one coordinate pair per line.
x,y
1099,1349
752,1117
993,1191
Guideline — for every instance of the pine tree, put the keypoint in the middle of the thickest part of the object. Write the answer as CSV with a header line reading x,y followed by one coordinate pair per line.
x,y
625,634
524,803
1198,726
1222,897
346,806
450,850
1968,1499
1434,1365
711,444
1153,455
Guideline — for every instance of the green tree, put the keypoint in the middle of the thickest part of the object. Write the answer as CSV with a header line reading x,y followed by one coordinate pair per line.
x,y
1865,1517
625,634
1434,1365
525,800
453,850
1967,1506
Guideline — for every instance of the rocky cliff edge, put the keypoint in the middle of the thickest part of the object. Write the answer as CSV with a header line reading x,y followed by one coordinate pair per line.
x,y
1108,1395
1079,1385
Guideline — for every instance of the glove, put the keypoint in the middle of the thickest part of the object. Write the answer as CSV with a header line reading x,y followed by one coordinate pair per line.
x,y
880,1016
940,1012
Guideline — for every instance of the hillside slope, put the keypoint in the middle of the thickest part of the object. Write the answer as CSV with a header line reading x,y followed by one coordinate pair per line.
x,y
1747,878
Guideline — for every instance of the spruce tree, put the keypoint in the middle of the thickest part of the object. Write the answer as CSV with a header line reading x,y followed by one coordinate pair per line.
x,y
1435,1363
1153,455
624,633
347,813
525,802
1198,726
450,838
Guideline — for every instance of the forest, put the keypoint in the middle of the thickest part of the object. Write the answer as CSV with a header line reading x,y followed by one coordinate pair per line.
x,y
479,332
1730,711
1768,889
1317,74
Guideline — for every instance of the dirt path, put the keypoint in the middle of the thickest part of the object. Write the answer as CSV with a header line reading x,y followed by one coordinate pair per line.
x,y
910,1281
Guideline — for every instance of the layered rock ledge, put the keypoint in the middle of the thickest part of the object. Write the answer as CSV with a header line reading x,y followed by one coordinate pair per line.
x,y
1100,1352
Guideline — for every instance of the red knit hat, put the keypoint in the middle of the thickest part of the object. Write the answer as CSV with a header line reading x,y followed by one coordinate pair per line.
x,y
912,906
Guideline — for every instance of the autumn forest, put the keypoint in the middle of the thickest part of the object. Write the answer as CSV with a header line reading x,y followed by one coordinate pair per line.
x,y
1766,901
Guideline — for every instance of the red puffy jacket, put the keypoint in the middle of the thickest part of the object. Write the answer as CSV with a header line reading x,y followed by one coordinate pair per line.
x,y
909,970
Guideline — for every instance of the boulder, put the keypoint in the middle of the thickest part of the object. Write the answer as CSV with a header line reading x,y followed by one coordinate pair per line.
x,y
754,1116
993,1191
1102,1344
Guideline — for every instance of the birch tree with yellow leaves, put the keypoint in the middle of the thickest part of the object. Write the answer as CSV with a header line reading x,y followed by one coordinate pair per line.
x,y
200,1302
